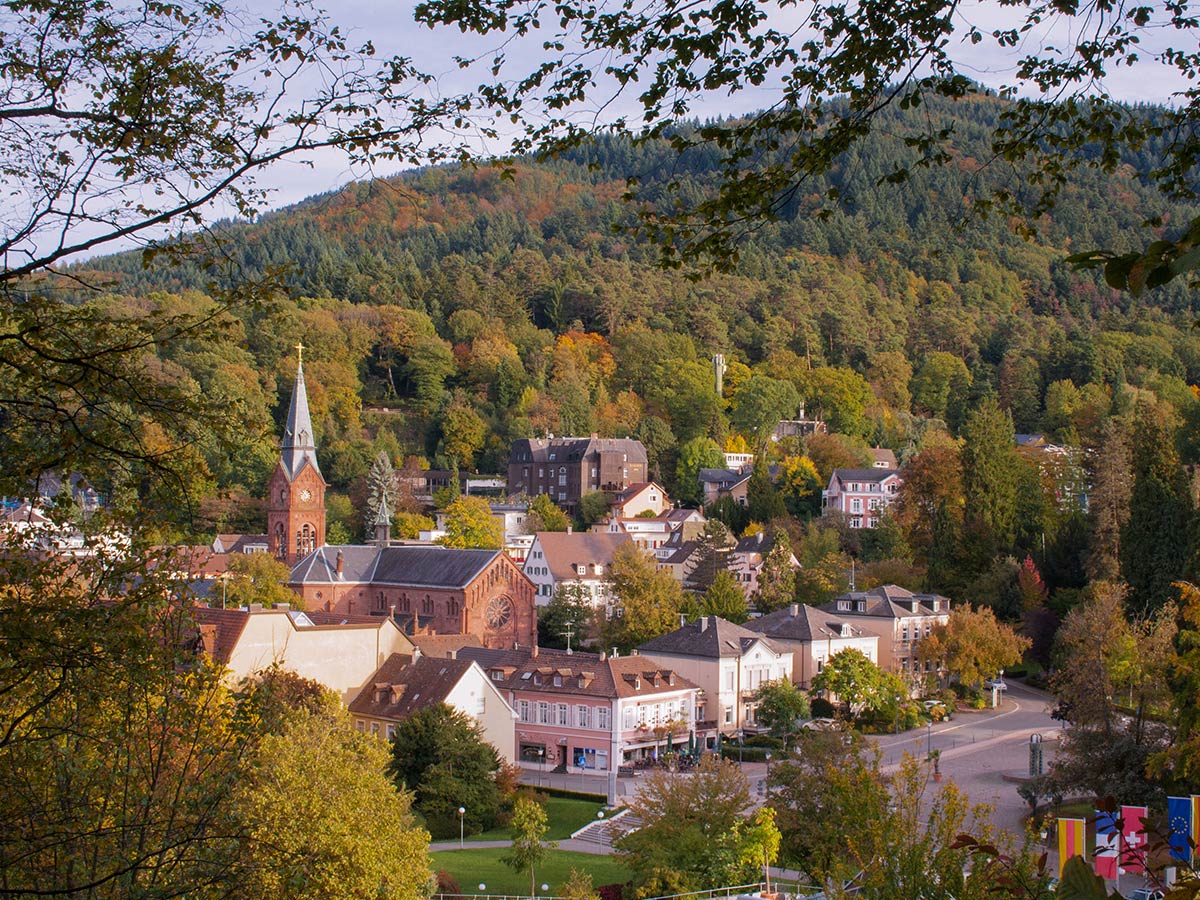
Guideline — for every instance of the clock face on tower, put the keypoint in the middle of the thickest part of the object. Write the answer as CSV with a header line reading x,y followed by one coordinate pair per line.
x,y
499,612
305,495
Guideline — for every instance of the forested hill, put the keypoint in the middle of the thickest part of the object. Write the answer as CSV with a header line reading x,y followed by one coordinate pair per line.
x,y
488,308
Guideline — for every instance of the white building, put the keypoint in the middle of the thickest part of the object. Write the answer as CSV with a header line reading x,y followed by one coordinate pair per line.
x,y
558,558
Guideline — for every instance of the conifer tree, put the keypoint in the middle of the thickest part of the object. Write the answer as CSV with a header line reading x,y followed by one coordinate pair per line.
x,y
381,489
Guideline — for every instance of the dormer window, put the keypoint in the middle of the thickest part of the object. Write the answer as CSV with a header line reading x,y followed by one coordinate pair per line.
x,y
558,681
843,605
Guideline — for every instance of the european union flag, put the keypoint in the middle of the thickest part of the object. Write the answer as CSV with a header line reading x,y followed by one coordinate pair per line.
x,y
1179,821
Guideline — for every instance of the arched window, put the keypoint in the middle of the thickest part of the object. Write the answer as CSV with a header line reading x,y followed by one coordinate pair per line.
x,y
306,540
280,542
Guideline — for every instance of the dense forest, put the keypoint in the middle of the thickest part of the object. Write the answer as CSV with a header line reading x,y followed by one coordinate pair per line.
x,y
448,311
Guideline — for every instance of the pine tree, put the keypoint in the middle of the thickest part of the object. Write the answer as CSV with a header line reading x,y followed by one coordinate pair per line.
x,y
1155,539
1108,503
381,489
777,579
991,476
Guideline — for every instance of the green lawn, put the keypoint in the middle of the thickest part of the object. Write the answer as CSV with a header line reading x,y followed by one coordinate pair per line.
x,y
474,867
564,817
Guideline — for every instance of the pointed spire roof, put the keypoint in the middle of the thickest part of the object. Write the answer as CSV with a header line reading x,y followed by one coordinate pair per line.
x,y
384,515
298,443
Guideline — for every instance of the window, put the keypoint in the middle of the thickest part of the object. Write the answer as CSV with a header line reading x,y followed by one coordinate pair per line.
x,y
543,713
729,715
360,725
628,719
375,728
481,704
584,716
391,731
523,710
602,718
563,717
558,681
856,505
856,521
873,503
729,680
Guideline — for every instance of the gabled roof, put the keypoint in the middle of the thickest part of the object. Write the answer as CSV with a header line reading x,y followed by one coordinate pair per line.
x,y
710,637
864,474
402,686
237,543
724,476
220,630
889,601
564,550
577,674
406,566
441,646
753,543
885,456
799,622
573,449
299,443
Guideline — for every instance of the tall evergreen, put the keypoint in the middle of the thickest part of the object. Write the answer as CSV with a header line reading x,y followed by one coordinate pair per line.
x,y
1156,538
382,490
991,476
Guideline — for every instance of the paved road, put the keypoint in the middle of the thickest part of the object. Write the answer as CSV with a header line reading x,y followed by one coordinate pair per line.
x,y
979,749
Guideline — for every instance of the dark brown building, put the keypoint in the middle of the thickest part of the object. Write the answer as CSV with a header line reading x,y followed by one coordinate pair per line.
x,y
569,467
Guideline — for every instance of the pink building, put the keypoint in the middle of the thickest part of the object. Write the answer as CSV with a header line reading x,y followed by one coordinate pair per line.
x,y
587,712
861,495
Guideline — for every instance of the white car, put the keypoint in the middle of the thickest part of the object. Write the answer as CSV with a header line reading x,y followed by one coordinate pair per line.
x,y
822,724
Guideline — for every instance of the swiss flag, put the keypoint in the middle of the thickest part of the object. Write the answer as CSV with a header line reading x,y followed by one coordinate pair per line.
x,y
1133,839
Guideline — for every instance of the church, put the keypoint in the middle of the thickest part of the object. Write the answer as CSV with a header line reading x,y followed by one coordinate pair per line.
x,y
427,589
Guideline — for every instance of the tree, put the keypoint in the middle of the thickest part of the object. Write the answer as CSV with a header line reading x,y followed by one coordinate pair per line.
x,y
463,431
800,486
648,600
698,453
1108,503
315,849
777,578
382,490
972,645
759,404
570,607
545,515
258,578
699,832
780,707
726,599
1155,538
711,554
439,754
853,678
832,94
529,827
762,499
469,523
991,469
593,506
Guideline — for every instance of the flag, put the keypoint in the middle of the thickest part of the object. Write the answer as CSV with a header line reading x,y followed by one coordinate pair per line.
x,y
1133,839
1107,841
1072,835
1179,823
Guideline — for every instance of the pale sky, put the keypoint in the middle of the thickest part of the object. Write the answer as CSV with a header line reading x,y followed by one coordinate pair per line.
x,y
391,28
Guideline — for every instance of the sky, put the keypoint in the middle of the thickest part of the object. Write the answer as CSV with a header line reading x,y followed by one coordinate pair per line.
x,y
390,27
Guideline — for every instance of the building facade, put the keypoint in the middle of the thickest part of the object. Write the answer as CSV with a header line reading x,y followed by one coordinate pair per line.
x,y
296,490
861,495
900,618
567,468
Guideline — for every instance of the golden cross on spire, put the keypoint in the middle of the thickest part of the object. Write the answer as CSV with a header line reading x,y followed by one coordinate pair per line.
x,y
299,353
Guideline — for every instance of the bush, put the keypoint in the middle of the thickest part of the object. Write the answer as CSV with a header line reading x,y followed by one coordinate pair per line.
x,y
822,708
765,741
447,883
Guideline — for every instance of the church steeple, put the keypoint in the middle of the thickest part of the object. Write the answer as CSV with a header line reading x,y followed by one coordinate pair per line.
x,y
296,493
298,443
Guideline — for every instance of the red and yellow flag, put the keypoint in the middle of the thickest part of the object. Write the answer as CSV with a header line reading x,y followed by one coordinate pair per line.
x,y
1072,841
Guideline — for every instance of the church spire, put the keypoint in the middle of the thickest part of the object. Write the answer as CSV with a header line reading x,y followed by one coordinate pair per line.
x,y
298,443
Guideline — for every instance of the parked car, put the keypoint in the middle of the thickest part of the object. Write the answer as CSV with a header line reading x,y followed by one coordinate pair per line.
x,y
822,724
1146,894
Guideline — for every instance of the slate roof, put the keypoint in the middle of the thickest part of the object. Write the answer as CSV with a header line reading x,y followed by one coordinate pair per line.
x,y
799,622
402,686
889,601
442,646
569,449
710,637
299,444
563,551
406,565
236,543
722,476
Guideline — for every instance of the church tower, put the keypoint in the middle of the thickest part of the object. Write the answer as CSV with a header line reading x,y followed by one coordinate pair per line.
x,y
296,491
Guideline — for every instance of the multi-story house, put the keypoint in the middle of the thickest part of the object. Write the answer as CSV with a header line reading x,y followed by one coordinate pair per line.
x,y
652,533
587,712
813,637
745,562
730,663
569,467
557,558
861,495
899,617
406,684
640,499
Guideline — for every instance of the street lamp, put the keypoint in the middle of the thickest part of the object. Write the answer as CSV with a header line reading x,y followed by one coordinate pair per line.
x,y
541,763
929,737
896,727
462,812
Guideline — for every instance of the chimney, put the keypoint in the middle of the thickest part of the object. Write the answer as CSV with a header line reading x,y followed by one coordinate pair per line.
x,y
283,606
633,652
682,620
534,652
568,529
341,565
795,610
704,623
603,656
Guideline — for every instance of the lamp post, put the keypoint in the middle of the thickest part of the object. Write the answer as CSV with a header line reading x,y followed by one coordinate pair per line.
x,y
541,763
462,813
896,708
929,737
